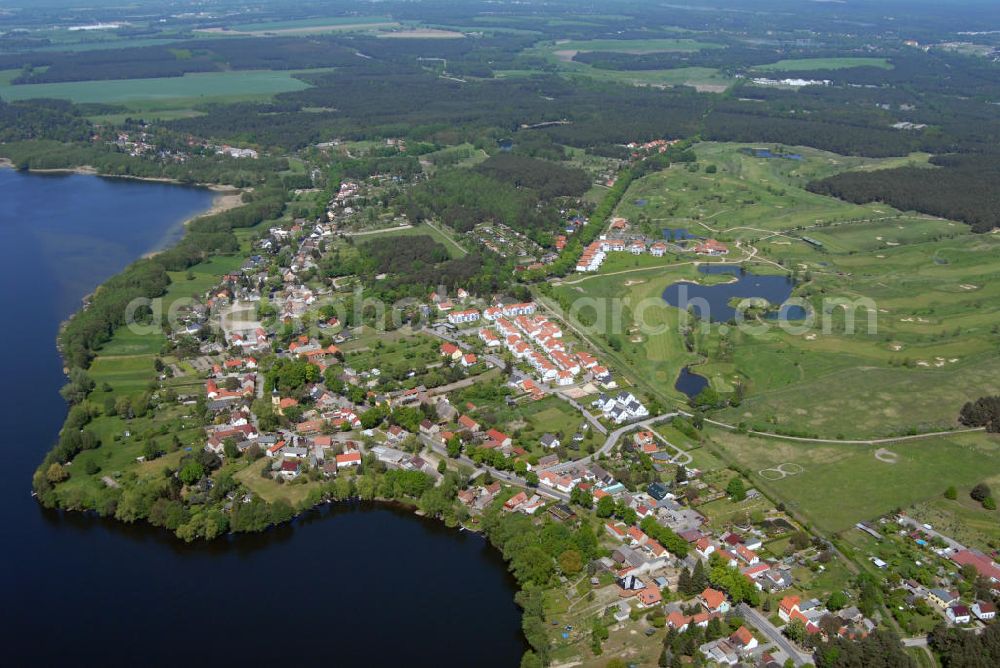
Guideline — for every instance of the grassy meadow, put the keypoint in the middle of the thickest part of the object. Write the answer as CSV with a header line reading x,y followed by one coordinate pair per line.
x,y
810,64
840,485
560,55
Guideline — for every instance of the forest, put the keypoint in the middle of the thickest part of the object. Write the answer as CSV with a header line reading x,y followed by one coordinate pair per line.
x,y
960,187
512,190
547,179
414,266
36,119
959,649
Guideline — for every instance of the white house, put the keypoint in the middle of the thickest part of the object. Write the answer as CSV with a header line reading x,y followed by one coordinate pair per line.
x,y
958,614
984,611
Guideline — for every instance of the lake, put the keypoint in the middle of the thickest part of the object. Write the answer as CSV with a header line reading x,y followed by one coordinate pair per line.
x,y
351,584
690,383
714,300
677,234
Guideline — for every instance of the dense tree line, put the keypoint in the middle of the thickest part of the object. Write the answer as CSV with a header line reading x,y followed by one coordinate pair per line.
x,y
536,553
463,199
547,179
983,412
414,266
880,649
962,188
957,648
38,119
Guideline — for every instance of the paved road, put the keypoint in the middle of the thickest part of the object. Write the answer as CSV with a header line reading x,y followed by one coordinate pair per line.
x,y
504,476
951,542
590,418
613,438
773,634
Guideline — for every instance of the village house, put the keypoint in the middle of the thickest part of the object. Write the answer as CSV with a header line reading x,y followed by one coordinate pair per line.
x,y
497,439
942,598
650,596
465,422
958,614
711,247
462,317
450,351
348,459
743,640
788,606
554,481
289,470
720,652
984,610
714,601
514,502
678,621
549,441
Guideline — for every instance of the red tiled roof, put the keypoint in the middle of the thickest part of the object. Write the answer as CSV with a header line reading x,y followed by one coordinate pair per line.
x,y
712,598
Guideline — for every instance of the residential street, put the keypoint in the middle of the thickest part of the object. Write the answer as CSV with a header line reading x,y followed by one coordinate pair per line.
x,y
504,476
773,634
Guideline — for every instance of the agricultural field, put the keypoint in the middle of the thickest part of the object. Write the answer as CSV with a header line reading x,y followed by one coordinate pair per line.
x,y
702,79
169,93
332,22
631,45
834,486
808,64
561,53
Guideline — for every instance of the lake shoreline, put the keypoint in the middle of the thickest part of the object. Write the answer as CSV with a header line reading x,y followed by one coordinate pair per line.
x,y
87,170
225,197
228,198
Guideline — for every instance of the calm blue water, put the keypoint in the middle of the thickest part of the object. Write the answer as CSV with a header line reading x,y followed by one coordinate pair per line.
x,y
711,302
677,234
768,154
356,584
690,383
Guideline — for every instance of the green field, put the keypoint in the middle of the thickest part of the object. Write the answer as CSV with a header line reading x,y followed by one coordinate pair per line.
x,y
170,92
963,519
560,55
840,485
435,233
310,23
548,416
632,45
703,79
808,64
